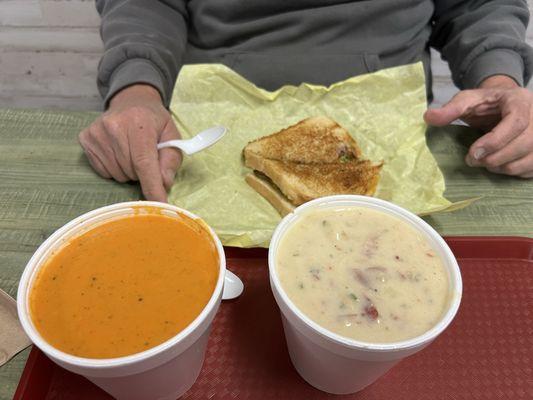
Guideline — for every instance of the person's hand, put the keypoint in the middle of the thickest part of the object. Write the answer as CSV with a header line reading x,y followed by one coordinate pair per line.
x,y
503,110
122,142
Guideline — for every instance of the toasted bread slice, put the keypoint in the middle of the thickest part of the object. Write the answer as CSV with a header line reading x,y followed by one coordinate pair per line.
x,y
304,182
264,186
317,139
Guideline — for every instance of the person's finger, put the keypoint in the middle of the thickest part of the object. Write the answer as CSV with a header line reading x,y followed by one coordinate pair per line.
x,y
169,158
485,109
516,149
521,167
143,150
460,105
515,120
117,133
96,164
100,145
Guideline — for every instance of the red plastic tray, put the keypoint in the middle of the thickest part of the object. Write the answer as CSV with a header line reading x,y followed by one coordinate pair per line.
x,y
486,353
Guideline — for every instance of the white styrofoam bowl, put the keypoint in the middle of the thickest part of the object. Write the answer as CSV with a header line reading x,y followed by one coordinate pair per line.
x,y
165,371
337,364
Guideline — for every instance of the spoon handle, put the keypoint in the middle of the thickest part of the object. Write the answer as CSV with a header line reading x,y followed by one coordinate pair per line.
x,y
178,144
197,143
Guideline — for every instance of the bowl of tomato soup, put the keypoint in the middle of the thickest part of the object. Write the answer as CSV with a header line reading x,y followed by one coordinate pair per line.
x,y
125,295
361,283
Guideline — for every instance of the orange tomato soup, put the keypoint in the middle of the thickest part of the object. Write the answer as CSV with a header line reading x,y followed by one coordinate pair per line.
x,y
124,286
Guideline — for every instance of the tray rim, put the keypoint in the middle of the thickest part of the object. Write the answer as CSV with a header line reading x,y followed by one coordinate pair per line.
x,y
502,248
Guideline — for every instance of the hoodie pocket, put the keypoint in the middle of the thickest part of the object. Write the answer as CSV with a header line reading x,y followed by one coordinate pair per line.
x,y
270,71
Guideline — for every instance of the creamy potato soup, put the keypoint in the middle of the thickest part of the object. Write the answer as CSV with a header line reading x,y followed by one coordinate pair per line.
x,y
362,274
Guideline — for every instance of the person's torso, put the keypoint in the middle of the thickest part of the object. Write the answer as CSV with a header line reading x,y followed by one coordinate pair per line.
x,y
273,43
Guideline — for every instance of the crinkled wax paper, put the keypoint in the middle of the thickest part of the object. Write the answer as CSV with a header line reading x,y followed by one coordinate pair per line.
x,y
382,110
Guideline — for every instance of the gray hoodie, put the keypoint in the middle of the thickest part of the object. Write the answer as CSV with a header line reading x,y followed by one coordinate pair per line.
x,y
275,42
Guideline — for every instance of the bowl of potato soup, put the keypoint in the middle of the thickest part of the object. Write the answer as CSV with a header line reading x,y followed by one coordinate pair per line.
x,y
361,284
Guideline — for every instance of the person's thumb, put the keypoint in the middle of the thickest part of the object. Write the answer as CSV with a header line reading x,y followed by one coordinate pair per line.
x,y
169,158
460,105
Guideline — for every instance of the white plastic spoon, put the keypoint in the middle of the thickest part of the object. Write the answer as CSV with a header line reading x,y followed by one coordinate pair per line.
x,y
197,143
233,286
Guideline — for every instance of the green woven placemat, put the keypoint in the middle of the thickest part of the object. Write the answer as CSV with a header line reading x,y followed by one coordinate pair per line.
x,y
45,181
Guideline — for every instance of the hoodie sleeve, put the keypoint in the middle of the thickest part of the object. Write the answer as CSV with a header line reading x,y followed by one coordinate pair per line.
x,y
144,42
481,38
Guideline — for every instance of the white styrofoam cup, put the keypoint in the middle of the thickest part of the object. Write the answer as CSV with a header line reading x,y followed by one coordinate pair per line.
x,y
337,364
163,372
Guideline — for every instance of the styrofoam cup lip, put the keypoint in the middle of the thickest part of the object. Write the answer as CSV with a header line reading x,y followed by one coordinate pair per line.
x,y
77,225
370,202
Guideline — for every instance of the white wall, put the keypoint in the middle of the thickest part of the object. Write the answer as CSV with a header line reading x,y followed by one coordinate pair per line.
x,y
49,51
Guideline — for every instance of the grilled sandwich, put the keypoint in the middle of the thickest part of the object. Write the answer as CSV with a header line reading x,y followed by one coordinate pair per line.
x,y
314,158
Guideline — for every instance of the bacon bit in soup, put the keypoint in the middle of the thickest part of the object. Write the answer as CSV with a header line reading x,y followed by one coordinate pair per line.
x,y
430,254
353,296
371,312
397,258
